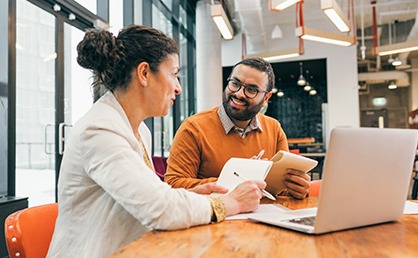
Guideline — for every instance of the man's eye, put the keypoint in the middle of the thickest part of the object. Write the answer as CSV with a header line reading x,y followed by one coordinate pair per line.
x,y
236,84
252,90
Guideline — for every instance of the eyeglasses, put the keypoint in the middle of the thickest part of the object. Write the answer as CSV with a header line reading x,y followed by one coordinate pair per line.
x,y
249,91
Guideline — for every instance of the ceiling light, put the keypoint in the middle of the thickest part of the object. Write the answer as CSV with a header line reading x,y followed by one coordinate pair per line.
x,y
274,90
277,55
396,62
392,85
56,8
276,33
71,17
324,36
279,5
391,59
280,93
301,81
312,92
307,87
397,48
50,57
222,22
336,15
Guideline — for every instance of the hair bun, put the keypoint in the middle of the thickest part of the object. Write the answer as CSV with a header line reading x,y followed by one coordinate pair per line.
x,y
96,50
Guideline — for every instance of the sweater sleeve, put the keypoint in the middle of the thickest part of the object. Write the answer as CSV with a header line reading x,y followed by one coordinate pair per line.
x,y
185,158
281,139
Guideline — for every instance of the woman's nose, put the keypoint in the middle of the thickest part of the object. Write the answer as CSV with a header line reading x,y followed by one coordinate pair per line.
x,y
178,89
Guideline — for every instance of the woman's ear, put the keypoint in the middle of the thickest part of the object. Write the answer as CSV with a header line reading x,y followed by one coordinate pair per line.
x,y
143,71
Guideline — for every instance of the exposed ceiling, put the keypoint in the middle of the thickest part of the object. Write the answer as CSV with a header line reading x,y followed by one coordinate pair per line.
x,y
257,21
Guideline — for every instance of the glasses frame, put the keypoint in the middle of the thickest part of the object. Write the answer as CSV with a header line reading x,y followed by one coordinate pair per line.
x,y
245,87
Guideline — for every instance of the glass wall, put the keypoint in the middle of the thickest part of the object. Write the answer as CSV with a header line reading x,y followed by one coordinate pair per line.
x,y
163,126
177,22
3,96
35,103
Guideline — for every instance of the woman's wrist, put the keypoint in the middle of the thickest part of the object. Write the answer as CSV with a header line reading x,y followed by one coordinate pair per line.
x,y
218,208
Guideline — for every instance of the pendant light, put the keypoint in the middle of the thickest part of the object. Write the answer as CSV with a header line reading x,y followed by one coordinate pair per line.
x,y
301,80
392,85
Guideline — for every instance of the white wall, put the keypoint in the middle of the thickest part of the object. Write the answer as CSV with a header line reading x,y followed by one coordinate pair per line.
x,y
343,101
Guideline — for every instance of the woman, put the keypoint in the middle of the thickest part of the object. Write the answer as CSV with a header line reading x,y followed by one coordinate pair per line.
x,y
108,193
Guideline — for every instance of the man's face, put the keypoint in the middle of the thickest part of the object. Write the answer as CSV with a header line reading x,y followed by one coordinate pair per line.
x,y
238,106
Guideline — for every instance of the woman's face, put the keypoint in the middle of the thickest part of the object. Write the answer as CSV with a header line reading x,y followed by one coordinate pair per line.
x,y
165,85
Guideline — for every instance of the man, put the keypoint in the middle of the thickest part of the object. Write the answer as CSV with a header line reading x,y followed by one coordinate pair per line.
x,y
207,140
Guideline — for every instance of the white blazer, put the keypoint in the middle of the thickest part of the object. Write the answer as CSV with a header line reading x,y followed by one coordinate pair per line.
x,y
107,195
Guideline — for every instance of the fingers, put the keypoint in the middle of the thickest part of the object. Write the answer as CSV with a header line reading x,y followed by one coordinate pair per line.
x,y
209,188
297,183
260,184
219,189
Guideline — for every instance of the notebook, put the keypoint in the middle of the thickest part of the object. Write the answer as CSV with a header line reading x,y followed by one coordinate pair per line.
x,y
366,178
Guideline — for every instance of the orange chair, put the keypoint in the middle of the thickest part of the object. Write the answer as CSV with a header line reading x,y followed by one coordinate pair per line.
x,y
29,231
315,188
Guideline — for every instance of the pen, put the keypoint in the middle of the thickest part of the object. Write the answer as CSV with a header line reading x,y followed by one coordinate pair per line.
x,y
260,154
267,194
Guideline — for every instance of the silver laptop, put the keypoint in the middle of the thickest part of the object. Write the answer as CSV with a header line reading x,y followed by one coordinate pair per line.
x,y
366,178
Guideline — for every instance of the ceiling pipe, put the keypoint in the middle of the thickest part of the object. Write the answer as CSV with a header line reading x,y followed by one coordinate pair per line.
x,y
412,35
374,27
250,14
401,78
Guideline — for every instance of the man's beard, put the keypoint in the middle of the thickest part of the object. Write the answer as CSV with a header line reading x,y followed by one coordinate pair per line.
x,y
238,114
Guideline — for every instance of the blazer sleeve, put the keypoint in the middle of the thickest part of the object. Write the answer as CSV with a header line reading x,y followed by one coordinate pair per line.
x,y
111,161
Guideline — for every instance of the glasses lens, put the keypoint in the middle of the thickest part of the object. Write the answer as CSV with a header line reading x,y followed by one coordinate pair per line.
x,y
234,86
250,92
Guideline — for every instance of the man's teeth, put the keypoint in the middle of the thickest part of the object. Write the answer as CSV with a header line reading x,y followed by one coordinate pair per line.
x,y
238,102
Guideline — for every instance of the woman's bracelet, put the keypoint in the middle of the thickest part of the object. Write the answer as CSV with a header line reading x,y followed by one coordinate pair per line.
x,y
218,208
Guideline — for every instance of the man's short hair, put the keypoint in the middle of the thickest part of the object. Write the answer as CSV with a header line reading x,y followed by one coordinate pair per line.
x,y
261,65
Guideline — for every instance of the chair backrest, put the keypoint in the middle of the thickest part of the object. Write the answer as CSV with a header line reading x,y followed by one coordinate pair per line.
x,y
29,231
315,188
160,165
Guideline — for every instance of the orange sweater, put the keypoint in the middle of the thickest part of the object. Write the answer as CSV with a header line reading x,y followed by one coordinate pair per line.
x,y
201,148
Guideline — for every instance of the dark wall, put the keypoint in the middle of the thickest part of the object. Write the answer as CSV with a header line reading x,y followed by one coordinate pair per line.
x,y
298,112
396,107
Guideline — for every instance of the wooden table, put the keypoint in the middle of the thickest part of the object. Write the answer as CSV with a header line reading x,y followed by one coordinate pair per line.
x,y
249,239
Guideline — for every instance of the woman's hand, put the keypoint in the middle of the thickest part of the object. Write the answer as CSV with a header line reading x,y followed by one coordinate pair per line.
x,y
244,198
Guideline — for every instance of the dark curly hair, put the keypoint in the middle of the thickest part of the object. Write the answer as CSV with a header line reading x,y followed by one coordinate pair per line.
x,y
112,59
261,65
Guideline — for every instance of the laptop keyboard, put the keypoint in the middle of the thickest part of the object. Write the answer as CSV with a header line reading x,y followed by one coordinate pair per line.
x,y
309,221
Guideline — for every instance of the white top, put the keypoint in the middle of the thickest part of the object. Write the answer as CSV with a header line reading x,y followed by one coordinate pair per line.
x,y
107,195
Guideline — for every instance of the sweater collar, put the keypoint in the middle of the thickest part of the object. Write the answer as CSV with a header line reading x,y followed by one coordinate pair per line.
x,y
229,126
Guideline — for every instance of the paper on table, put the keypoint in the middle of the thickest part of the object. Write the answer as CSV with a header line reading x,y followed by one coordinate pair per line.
x,y
262,208
247,168
410,208
281,162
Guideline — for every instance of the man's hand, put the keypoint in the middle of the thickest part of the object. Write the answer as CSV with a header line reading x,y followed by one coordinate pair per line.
x,y
297,183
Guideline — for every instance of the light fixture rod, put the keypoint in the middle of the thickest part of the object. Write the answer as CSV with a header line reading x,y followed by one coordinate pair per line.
x,y
280,5
336,15
222,22
324,36
397,48
278,55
